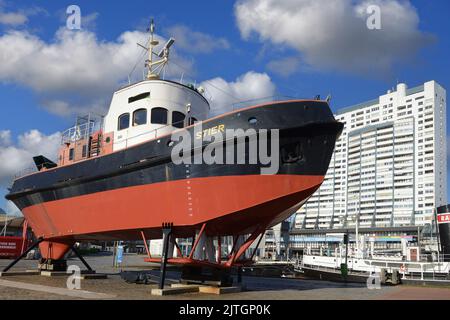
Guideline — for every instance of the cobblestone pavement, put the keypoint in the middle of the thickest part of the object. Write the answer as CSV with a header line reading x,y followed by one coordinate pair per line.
x,y
15,287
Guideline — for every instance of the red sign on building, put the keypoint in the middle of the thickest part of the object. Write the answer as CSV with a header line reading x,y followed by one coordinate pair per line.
x,y
10,247
443,218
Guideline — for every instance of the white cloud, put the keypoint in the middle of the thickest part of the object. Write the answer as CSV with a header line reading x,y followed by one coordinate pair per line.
x,y
12,18
284,66
5,137
222,94
76,72
196,42
15,158
89,21
18,17
333,35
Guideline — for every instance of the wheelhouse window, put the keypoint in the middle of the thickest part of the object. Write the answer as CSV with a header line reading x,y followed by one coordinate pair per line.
x,y
124,121
141,96
192,121
140,117
159,116
178,119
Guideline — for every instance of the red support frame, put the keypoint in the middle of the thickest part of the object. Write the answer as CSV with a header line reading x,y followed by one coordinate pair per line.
x,y
145,244
235,256
178,248
197,239
235,238
257,245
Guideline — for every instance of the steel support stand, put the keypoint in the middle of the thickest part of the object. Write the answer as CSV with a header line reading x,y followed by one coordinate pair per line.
x,y
167,231
81,259
34,245
239,275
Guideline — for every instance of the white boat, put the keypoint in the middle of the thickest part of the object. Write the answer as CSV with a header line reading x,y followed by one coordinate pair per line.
x,y
363,262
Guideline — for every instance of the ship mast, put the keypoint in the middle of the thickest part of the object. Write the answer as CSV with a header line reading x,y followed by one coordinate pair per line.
x,y
154,68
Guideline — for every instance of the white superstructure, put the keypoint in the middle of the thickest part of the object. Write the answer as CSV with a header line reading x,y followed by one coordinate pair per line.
x,y
389,167
150,109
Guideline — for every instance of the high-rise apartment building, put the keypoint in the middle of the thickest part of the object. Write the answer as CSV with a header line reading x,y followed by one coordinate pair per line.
x,y
389,167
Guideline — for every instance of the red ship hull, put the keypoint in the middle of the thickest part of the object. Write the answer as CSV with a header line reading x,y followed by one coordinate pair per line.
x,y
234,201
230,205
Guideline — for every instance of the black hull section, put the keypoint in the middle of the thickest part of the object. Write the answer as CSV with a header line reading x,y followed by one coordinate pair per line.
x,y
334,276
444,232
308,132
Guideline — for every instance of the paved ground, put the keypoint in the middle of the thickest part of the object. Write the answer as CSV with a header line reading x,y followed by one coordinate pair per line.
x,y
37,287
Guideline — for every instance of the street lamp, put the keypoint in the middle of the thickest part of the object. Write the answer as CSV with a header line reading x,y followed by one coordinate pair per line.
x,y
344,268
354,218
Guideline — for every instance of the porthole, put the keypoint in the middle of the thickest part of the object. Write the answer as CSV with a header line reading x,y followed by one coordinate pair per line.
x,y
170,143
252,120
108,140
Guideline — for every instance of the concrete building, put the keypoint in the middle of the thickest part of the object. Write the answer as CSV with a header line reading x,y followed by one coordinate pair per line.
x,y
389,168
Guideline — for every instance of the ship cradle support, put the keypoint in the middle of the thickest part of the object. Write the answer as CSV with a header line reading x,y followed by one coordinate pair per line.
x,y
204,265
51,265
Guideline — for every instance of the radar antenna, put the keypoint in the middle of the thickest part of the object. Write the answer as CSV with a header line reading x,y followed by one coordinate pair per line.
x,y
154,67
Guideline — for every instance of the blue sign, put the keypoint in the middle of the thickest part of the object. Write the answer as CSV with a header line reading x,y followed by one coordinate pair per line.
x,y
119,255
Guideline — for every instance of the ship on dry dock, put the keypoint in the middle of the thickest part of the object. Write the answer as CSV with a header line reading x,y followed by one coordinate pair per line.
x,y
115,178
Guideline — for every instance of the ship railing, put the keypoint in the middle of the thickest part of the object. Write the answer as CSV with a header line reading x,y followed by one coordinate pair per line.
x,y
85,126
78,132
24,172
254,102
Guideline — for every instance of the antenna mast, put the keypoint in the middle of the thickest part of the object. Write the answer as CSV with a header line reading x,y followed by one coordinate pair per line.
x,y
154,68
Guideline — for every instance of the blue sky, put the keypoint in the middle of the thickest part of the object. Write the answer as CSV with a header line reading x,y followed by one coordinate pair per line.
x,y
294,62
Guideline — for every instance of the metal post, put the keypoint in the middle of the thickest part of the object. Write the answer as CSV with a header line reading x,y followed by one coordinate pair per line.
x,y
438,235
24,235
167,231
357,235
239,271
346,247
6,225
418,242
114,253
81,258
219,249
146,245
12,264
